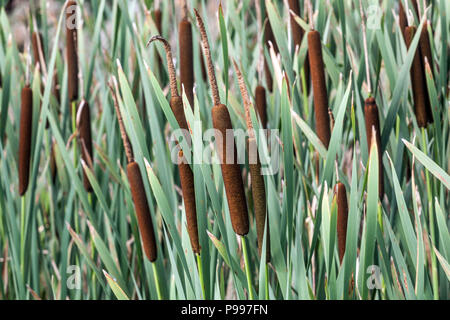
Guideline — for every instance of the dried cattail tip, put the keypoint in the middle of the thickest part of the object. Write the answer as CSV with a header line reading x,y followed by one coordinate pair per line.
x,y
71,50
231,172
187,186
186,59
341,219
259,198
37,42
86,139
419,87
142,211
261,104
319,87
26,121
373,122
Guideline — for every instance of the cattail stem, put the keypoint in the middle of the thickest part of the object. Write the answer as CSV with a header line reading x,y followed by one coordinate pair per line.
x,y
342,219
231,172
200,274
373,127
247,268
157,284
297,34
26,122
419,87
319,87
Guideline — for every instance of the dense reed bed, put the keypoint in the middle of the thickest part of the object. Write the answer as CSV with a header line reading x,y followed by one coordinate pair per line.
x,y
350,182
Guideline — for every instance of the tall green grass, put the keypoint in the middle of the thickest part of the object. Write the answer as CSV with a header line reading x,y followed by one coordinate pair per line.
x,y
58,225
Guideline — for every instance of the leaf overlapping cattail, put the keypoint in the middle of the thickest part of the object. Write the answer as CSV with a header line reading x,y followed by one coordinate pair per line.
x,y
297,35
71,51
342,217
137,191
186,175
26,121
84,128
186,57
418,81
373,123
319,87
269,37
231,172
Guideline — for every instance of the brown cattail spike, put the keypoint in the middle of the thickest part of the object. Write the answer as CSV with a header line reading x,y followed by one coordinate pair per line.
x,y
142,211
158,20
261,104
341,219
403,20
297,34
84,128
187,186
419,87
373,123
26,122
319,87
259,199
425,53
36,40
186,59
71,50
231,172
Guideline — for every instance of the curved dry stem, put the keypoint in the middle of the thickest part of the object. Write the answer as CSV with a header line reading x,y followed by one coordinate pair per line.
x,y
123,133
209,63
170,65
245,98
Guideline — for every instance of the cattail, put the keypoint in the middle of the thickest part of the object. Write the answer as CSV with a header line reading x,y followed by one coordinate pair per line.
x,y
257,180
231,172
297,35
84,128
202,64
373,123
269,37
186,175
403,20
158,20
137,189
36,41
26,122
71,51
419,87
341,219
319,87
261,104
142,210
52,163
425,52
186,57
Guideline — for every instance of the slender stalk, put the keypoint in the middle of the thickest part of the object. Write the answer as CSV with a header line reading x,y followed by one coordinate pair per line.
x,y
22,236
434,275
74,129
200,274
157,284
247,268
267,281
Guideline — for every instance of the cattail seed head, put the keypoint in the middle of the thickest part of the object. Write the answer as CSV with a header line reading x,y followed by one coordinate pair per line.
x,y
187,187
186,59
231,172
86,138
261,104
403,20
71,51
373,122
342,218
158,19
259,200
419,87
26,122
142,211
425,52
319,87
269,37
36,42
